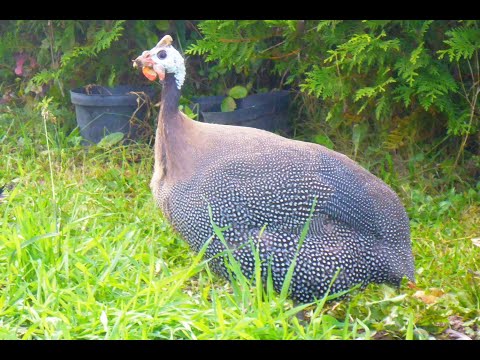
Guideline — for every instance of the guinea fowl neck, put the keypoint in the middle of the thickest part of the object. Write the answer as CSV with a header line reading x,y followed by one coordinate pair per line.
x,y
170,98
170,131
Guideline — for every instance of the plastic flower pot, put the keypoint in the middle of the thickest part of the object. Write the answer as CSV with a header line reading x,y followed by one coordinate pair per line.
x,y
104,110
268,111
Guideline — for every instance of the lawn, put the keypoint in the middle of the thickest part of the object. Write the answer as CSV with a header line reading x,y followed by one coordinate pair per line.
x,y
85,254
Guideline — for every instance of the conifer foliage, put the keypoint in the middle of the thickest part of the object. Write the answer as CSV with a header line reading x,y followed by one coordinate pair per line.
x,y
376,71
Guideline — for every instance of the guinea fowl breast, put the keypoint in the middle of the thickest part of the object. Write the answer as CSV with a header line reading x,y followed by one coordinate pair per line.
x,y
262,188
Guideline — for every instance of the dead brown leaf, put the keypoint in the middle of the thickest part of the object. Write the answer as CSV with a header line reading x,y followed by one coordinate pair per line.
x,y
427,299
412,285
456,322
459,331
456,335
382,335
430,296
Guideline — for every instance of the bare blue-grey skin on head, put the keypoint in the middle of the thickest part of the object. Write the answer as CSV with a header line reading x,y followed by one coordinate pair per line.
x,y
261,187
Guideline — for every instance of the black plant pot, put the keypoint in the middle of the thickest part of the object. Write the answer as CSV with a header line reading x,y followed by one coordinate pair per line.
x,y
104,110
268,111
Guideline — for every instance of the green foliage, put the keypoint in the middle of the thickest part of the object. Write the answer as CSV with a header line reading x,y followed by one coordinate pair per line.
x,y
324,140
235,93
232,43
110,140
378,72
238,92
101,39
73,53
228,104
358,134
323,82
463,42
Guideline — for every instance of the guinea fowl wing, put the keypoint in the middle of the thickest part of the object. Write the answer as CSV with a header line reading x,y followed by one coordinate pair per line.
x,y
277,184
273,188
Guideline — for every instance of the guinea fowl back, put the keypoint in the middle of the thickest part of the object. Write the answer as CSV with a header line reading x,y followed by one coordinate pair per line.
x,y
261,187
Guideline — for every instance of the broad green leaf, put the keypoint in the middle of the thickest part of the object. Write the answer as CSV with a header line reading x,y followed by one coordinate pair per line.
x,y
323,140
238,92
228,104
187,111
110,140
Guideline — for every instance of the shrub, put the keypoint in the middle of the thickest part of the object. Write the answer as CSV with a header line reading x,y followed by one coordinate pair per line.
x,y
403,78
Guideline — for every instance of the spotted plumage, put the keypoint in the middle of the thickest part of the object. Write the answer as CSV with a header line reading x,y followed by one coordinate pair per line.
x,y
261,189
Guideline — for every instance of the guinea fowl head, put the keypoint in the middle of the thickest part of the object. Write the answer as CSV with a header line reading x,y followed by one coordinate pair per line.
x,y
161,59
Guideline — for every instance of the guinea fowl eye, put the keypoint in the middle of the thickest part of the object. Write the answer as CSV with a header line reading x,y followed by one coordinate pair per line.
x,y
162,54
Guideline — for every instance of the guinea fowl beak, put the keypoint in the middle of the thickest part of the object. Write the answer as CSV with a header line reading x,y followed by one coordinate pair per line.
x,y
149,68
138,62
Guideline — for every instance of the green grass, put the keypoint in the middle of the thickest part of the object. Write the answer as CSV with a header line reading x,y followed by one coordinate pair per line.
x,y
85,254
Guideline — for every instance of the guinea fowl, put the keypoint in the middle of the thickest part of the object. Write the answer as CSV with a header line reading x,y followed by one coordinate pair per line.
x,y
261,188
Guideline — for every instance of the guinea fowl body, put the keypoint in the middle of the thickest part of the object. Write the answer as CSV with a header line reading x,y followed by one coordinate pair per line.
x,y
261,188
254,180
